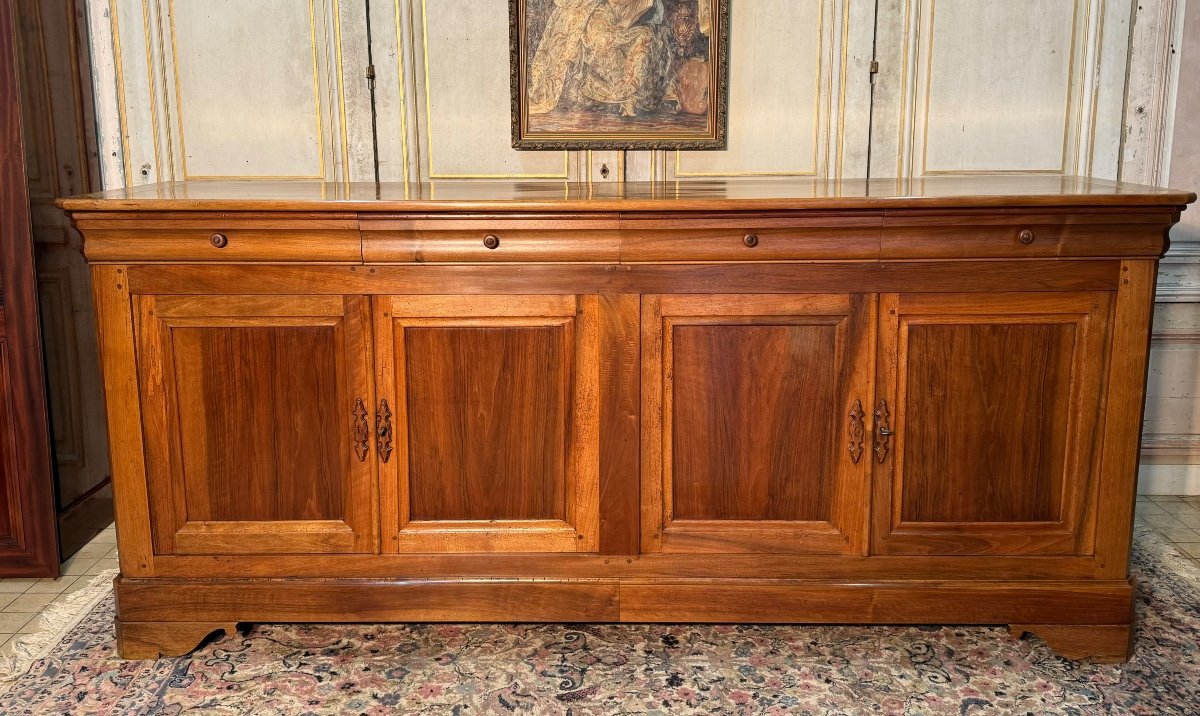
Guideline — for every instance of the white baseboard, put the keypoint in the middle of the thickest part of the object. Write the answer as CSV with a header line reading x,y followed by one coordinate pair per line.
x,y
1169,480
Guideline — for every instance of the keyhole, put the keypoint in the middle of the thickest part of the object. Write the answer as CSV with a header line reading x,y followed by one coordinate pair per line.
x,y
604,171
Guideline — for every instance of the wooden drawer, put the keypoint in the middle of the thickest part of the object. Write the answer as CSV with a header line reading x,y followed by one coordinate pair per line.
x,y
750,238
221,244
491,240
953,236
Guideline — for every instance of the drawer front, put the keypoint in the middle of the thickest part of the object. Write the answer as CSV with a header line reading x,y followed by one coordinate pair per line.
x,y
1027,236
491,240
753,237
749,244
220,244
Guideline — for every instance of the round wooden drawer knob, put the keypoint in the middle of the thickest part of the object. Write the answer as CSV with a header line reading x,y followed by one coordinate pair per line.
x,y
219,240
491,241
1026,237
750,240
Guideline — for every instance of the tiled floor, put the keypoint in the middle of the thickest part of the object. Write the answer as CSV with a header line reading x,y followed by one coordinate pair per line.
x,y
1175,519
22,600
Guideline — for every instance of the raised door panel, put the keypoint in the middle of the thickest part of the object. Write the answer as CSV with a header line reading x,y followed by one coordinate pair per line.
x,y
490,404
993,404
257,425
753,425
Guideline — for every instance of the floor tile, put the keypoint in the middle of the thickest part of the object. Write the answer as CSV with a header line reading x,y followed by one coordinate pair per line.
x,y
81,566
1163,498
30,602
1162,521
13,622
1150,508
51,586
1191,550
1191,520
1178,508
77,585
17,586
92,551
1180,534
102,565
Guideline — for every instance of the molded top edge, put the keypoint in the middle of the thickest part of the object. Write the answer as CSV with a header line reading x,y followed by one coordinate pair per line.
x,y
960,191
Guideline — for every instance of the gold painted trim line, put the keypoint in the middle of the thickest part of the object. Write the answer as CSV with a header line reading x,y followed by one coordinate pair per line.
x,y
316,102
818,117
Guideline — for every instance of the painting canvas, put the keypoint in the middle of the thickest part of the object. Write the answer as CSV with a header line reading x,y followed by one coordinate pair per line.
x,y
619,74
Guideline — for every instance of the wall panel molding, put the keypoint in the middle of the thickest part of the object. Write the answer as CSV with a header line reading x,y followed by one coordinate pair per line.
x,y
218,89
464,97
812,60
1027,86
1153,80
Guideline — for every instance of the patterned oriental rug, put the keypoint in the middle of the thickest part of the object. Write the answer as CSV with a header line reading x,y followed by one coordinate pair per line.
x,y
71,667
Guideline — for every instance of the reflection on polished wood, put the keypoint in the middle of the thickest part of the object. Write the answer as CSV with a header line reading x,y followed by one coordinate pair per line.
x,y
893,404
708,195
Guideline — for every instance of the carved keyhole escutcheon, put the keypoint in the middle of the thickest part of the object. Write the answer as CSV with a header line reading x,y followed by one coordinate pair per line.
x,y
857,431
362,434
383,431
883,431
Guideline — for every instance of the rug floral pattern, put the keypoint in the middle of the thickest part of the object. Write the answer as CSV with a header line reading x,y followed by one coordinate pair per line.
x,y
635,669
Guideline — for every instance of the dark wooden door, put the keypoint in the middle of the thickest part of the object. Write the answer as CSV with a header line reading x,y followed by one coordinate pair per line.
x,y
28,539
993,402
60,152
494,408
258,423
753,424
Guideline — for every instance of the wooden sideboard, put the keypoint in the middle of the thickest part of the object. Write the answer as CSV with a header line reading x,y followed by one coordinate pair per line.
x,y
765,401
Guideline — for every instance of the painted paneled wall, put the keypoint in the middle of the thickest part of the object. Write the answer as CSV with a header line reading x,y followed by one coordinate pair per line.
x,y
228,89
251,89
1021,86
1171,444
277,89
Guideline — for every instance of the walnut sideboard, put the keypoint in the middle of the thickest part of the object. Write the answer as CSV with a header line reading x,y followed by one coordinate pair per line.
x,y
764,401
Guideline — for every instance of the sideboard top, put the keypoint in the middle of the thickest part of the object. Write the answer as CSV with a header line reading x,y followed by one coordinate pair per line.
x,y
693,195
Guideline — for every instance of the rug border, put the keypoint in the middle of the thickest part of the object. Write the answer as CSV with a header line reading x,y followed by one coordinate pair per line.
x,y
55,623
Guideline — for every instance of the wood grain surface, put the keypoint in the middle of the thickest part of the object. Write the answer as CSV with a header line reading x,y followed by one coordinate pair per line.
x,y
768,401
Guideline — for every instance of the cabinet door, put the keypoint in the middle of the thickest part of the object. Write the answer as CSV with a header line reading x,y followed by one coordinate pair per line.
x,y
753,423
490,408
257,427
993,402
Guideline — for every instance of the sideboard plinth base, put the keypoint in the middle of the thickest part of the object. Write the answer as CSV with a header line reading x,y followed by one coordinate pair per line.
x,y
170,617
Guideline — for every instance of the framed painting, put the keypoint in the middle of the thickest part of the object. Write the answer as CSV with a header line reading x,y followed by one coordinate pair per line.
x,y
619,74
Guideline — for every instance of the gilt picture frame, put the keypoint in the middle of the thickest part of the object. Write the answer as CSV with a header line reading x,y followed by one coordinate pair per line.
x,y
619,74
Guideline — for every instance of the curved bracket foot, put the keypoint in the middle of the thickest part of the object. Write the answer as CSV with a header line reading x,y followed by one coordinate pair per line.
x,y
153,640
1100,643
